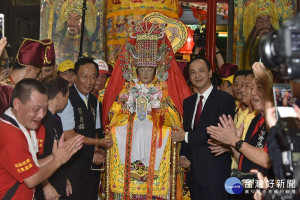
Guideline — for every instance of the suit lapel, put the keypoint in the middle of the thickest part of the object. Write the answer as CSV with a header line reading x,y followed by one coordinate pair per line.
x,y
209,102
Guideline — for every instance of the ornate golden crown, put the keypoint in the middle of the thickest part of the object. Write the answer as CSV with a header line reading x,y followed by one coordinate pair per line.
x,y
147,35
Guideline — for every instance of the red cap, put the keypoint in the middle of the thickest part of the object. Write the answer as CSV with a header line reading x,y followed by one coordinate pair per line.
x,y
227,69
103,67
37,53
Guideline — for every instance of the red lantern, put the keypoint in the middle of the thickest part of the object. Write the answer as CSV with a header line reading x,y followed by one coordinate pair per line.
x,y
199,13
188,46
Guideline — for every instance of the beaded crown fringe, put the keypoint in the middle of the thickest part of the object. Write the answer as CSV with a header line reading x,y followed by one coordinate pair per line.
x,y
147,35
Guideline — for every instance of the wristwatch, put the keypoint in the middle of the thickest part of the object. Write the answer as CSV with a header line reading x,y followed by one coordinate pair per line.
x,y
238,145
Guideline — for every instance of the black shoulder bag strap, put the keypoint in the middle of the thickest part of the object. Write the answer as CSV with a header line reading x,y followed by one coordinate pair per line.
x,y
10,193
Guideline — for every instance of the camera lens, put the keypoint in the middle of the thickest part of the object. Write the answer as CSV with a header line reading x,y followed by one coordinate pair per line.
x,y
267,51
280,50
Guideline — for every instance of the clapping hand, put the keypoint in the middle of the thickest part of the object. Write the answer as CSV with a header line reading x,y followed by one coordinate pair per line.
x,y
63,150
217,148
225,132
68,188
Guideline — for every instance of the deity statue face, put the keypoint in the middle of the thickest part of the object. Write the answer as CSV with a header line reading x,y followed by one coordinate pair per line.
x,y
74,24
146,74
263,25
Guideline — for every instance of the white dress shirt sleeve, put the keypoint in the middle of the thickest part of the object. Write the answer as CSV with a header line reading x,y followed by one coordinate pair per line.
x,y
186,137
98,124
67,117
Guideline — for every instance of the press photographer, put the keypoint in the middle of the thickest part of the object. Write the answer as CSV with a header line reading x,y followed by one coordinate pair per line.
x,y
280,51
199,38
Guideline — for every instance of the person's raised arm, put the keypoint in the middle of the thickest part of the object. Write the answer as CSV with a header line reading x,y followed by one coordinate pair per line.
x,y
3,43
219,58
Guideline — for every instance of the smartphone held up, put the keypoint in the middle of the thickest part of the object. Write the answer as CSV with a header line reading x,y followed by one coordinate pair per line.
x,y
283,98
1,25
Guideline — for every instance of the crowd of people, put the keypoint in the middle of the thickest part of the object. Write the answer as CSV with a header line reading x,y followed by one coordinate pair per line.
x,y
58,122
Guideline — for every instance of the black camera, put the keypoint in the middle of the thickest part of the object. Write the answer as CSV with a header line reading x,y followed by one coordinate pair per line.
x,y
273,192
201,40
280,50
246,178
288,137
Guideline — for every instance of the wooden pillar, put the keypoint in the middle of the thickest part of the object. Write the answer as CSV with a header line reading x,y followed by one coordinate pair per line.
x,y
211,32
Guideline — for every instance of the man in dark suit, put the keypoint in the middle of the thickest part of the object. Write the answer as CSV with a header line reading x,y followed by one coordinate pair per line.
x,y
208,172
